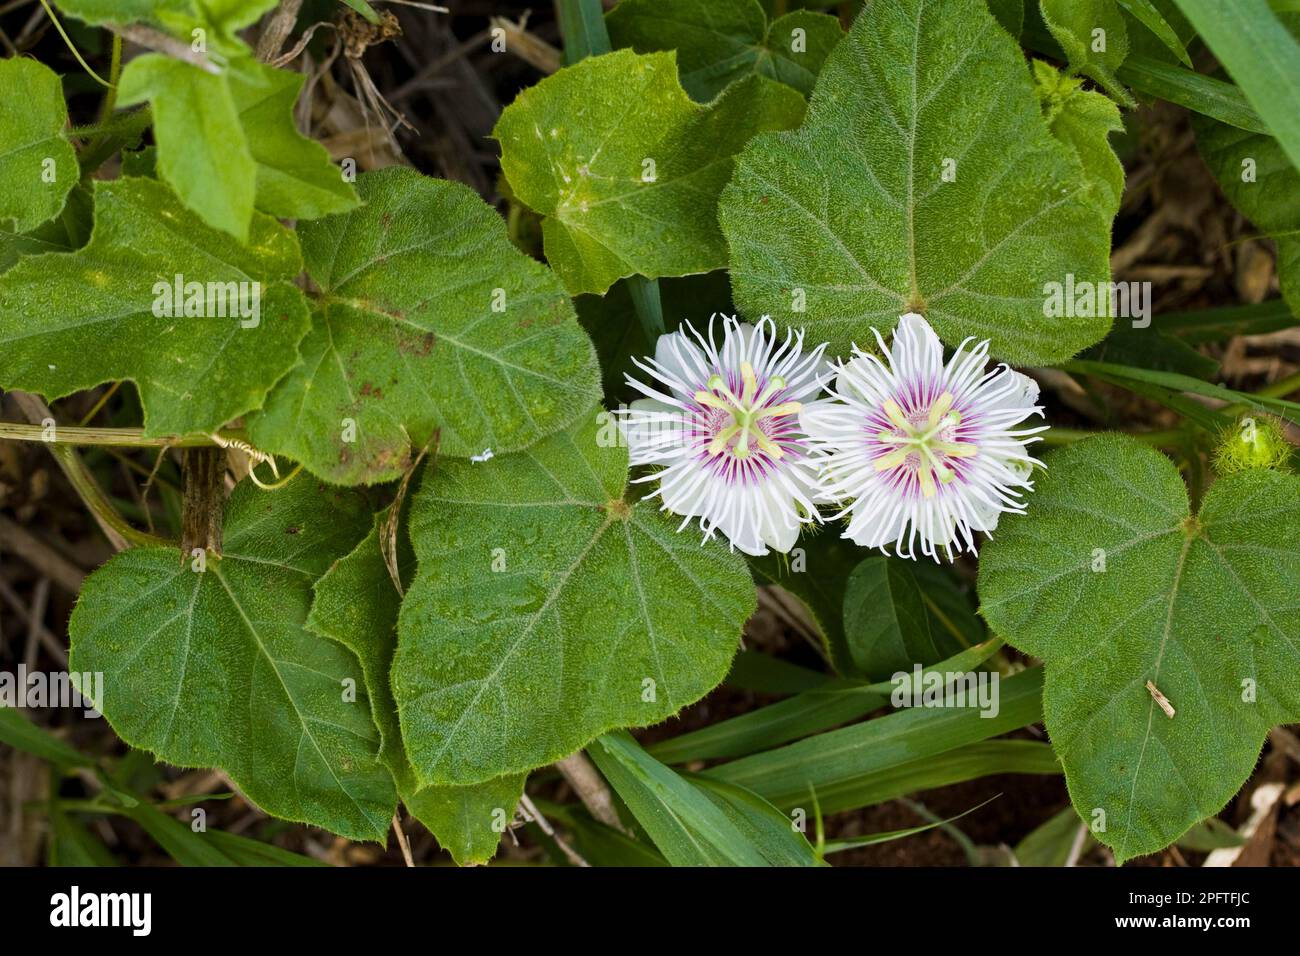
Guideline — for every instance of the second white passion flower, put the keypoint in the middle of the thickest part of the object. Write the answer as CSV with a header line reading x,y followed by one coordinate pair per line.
x,y
721,418
919,451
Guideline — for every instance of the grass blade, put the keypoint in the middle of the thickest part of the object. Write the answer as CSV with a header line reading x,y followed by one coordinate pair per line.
x,y
871,839
687,827
582,25
1151,18
836,702
784,775
1261,55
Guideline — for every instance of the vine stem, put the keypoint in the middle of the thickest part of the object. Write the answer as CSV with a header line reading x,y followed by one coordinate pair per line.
x,y
120,437
165,43
114,74
117,529
49,12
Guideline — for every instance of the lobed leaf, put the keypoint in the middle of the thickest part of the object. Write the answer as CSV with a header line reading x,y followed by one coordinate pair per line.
x,y
547,610
356,604
721,41
1094,37
70,321
68,230
216,668
626,169
924,178
38,167
1084,120
227,142
1114,584
428,319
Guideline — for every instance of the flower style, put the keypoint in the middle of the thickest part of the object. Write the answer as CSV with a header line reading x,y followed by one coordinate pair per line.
x,y
917,448
723,420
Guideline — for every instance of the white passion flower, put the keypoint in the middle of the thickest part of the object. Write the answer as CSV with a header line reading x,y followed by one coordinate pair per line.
x,y
920,449
723,421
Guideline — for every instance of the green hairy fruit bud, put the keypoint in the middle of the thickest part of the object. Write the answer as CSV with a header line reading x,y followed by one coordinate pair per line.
x,y
1255,442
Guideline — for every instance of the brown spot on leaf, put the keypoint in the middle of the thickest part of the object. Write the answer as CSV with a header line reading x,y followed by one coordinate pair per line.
x,y
419,346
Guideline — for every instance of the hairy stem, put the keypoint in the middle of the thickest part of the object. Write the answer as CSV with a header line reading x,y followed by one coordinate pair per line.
x,y
120,437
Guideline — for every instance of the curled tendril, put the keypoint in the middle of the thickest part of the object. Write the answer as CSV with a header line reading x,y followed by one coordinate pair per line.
x,y
257,457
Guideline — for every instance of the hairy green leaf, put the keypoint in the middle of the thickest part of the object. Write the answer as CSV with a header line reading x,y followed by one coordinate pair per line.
x,y
74,320
1009,13
428,319
69,230
1120,590
1084,120
38,166
215,668
924,178
296,178
721,41
627,169
1094,37
202,151
886,626
356,604
122,12
547,610
818,573
227,141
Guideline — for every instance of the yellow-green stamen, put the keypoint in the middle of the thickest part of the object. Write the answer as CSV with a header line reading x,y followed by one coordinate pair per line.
x,y
921,440
747,411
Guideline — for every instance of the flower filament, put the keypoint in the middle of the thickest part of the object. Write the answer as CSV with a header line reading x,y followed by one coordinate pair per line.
x,y
747,410
929,440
